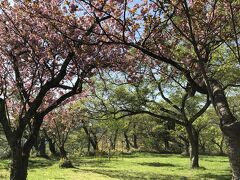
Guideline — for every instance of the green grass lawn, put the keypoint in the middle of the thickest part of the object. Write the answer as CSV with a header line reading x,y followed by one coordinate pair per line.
x,y
135,166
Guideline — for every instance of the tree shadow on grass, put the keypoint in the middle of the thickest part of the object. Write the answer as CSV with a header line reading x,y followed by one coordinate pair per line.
x,y
148,155
157,164
214,160
93,163
35,164
215,176
127,175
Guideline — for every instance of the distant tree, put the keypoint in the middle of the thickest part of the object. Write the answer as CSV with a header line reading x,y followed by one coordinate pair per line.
x,y
148,97
211,138
58,125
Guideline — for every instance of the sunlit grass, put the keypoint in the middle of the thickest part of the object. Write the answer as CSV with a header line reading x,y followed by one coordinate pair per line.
x,y
135,166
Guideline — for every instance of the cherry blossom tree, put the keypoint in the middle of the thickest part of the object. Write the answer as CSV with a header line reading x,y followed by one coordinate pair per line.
x,y
45,60
59,124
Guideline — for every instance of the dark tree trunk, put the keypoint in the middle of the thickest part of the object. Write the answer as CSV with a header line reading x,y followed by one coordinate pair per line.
x,y
64,161
63,152
114,140
233,144
95,142
229,126
52,147
42,148
51,144
186,148
88,146
194,145
92,140
166,144
186,145
127,141
202,146
135,144
221,152
221,146
20,152
35,146
19,163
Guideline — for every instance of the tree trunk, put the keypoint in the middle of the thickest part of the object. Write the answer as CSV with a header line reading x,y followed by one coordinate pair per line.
x,y
186,145
51,144
63,152
95,142
127,141
233,144
42,148
88,146
166,144
52,147
221,146
64,161
113,140
20,153
19,163
229,126
203,147
135,144
221,152
92,140
186,148
194,146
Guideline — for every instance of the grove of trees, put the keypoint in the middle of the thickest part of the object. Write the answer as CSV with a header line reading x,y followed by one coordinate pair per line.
x,y
119,75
